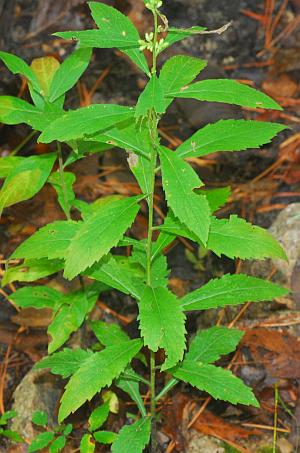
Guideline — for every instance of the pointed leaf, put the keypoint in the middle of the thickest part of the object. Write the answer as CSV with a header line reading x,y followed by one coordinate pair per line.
x,y
105,437
231,290
64,189
209,345
216,197
87,445
37,297
26,179
227,91
179,181
76,124
99,416
65,362
18,66
132,388
40,418
133,438
220,384
99,233
8,164
41,441
160,316
31,270
97,372
178,34
151,98
44,69
16,111
229,135
108,334
69,72
58,444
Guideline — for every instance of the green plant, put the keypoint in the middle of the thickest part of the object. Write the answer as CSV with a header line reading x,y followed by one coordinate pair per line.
x,y
54,439
5,431
84,248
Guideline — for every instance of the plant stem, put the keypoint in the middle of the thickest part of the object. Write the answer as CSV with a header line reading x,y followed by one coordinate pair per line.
x,y
62,180
23,143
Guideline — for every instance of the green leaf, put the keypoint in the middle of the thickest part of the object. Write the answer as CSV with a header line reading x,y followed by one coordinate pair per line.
x,y
37,297
119,273
209,345
31,270
8,164
15,111
159,271
69,72
227,91
231,290
99,233
58,444
177,72
115,30
151,98
236,238
41,441
133,438
66,197
44,69
11,435
99,416
86,444
220,384
26,179
51,241
8,415
76,124
179,182
160,316
18,66
65,363
108,334
130,385
96,372
40,418
216,197
105,437
229,135
178,34
68,429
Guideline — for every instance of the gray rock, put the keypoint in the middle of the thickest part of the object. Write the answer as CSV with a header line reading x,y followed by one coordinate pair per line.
x,y
204,444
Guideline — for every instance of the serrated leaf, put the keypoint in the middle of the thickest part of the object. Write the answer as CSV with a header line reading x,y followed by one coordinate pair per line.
x,y
160,316
152,98
41,441
179,182
99,416
69,72
51,241
97,372
159,271
26,179
119,273
37,297
105,437
216,197
40,418
220,384
58,444
31,270
108,334
133,438
227,91
65,363
236,238
178,34
177,72
18,66
76,124
130,385
115,30
229,135
231,290
210,344
99,233
44,69
64,189
8,164
86,444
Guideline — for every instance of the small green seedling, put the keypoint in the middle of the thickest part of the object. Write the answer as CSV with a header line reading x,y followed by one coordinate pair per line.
x,y
5,431
55,440
86,247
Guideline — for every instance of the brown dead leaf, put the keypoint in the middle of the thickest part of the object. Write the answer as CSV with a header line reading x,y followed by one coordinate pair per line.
x,y
172,415
283,86
31,317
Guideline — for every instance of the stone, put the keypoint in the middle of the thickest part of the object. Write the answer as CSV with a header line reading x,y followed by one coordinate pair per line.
x,y
204,444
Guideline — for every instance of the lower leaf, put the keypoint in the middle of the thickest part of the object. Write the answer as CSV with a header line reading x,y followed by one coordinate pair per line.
x,y
133,438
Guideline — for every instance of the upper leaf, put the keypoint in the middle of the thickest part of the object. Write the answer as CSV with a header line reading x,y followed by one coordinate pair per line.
x,y
26,179
133,438
151,98
229,135
96,372
177,72
115,30
18,66
227,91
44,69
179,182
65,363
69,72
160,316
63,184
231,290
99,233
76,124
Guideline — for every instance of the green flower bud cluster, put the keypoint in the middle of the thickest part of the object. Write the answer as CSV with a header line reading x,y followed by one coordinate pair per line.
x,y
148,43
153,5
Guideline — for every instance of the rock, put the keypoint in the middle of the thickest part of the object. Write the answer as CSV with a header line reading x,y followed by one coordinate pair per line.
x,y
204,444
39,390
